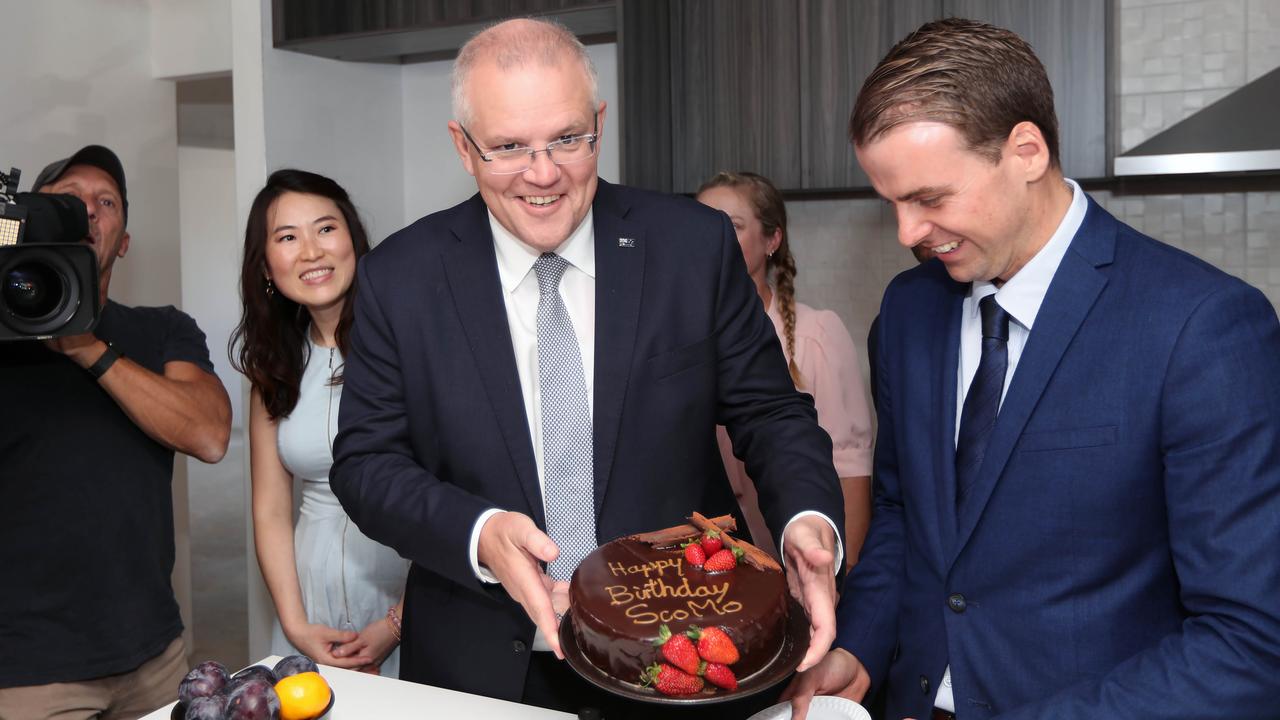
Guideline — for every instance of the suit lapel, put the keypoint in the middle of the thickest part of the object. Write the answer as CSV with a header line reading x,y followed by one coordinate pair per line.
x,y
1072,293
620,255
472,272
945,361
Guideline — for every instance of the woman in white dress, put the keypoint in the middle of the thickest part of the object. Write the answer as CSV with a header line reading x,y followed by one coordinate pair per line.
x,y
337,594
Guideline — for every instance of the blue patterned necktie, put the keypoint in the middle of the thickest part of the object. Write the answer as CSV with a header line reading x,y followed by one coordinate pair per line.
x,y
568,484
982,403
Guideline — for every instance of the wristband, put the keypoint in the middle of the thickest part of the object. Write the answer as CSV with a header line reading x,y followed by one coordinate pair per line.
x,y
104,362
393,621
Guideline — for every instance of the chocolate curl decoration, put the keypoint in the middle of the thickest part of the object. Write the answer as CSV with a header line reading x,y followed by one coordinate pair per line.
x,y
678,533
754,556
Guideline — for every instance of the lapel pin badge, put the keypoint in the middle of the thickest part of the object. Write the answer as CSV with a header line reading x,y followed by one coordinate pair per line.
x,y
626,242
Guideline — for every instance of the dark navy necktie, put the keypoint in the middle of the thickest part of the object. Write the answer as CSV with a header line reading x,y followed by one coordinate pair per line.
x,y
982,403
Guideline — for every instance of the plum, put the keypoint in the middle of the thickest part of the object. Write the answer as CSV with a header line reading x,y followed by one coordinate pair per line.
x,y
255,671
253,699
207,708
204,680
293,665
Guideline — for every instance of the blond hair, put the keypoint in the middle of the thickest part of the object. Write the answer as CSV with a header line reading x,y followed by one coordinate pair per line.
x,y
771,211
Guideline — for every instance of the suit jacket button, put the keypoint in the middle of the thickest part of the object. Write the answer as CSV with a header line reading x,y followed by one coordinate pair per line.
x,y
924,685
957,603
518,646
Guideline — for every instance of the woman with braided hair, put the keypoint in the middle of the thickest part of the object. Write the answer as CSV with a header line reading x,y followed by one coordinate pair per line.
x,y
820,354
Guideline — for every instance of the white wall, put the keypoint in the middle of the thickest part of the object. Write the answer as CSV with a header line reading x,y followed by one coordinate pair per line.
x,y
211,249
76,73
340,119
190,37
248,20
433,174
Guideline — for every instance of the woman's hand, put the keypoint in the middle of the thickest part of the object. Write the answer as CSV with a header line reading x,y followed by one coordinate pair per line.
x,y
375,641
321,643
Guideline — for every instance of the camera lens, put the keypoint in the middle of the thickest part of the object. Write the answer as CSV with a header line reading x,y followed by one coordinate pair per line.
x,y
33,291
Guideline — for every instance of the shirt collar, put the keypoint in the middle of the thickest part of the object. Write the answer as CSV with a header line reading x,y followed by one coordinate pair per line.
x,y
1022,295
516,258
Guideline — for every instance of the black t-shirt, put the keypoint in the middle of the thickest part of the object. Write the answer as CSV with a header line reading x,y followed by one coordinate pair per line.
x,y
86,513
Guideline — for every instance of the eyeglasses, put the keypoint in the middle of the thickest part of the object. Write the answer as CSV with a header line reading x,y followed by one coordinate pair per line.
x,y
566,150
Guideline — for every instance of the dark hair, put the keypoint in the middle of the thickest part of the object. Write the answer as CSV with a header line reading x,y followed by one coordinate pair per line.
x,y
771,211
980,79
272,345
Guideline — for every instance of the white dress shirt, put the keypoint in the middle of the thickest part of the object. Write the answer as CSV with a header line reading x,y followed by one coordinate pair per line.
x,y
1021,297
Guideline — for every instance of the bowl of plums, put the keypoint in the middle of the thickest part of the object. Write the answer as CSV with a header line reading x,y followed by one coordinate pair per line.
x,y
292,690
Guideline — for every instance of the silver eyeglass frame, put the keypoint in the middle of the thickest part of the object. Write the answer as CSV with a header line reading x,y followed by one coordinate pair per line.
x,y
591,139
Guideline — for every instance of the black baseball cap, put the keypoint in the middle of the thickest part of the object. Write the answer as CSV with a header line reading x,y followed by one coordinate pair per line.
x,y
95,155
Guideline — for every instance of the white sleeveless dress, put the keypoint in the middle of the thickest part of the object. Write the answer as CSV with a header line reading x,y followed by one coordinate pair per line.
x,y
347,580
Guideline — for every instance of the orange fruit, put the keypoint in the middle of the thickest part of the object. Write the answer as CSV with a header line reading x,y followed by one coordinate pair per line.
x,y
303,696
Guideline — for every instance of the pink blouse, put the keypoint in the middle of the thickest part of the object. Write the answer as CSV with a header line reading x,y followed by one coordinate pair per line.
x,y
828,363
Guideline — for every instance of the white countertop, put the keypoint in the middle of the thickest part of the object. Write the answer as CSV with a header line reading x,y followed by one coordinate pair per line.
x,y
361,696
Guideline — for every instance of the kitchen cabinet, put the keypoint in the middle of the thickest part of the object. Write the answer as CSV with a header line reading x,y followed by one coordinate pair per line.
x,y
400,31
768,85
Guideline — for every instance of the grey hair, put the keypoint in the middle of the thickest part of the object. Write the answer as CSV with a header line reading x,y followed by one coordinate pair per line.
x,y
515,43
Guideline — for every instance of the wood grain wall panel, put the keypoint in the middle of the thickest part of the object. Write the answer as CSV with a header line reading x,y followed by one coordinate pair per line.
x,y
841,43
768,85
1069,37
644,69
305,19
735,99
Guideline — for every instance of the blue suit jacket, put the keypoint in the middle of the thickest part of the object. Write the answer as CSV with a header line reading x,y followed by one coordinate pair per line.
x,y
433,429
1118,557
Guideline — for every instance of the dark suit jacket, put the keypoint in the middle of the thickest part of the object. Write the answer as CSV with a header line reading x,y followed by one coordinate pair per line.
x,y
1117,558
433,427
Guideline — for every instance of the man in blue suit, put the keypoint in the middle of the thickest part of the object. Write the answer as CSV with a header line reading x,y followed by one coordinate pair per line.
x,y
541,369
1078,468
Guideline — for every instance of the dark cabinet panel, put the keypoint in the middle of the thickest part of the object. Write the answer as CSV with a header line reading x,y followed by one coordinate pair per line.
x,y
734,96
417,30
768,85
644,112
842,43
1070,38
305,19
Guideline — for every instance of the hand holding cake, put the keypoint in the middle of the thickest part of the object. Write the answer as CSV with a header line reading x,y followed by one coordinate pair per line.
x,y
511,546
809,546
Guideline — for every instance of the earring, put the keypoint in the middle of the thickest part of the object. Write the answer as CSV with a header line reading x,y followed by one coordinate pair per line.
x,y
270,288
769,254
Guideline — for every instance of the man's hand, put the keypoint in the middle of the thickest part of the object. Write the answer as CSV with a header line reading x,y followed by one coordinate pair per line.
x,y
839,673
560,597
183,408
84,349
511,547
809,545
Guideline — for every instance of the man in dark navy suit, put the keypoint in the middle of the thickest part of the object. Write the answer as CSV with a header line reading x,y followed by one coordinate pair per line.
x,y
1078,467
541,369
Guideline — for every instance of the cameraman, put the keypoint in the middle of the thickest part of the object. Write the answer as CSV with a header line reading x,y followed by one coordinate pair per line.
x,y
89,626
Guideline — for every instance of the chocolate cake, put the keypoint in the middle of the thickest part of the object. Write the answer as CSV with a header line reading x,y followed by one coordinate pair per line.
x,y
625,590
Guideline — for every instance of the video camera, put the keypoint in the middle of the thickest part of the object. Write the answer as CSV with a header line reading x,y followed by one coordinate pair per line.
x,y
48,277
